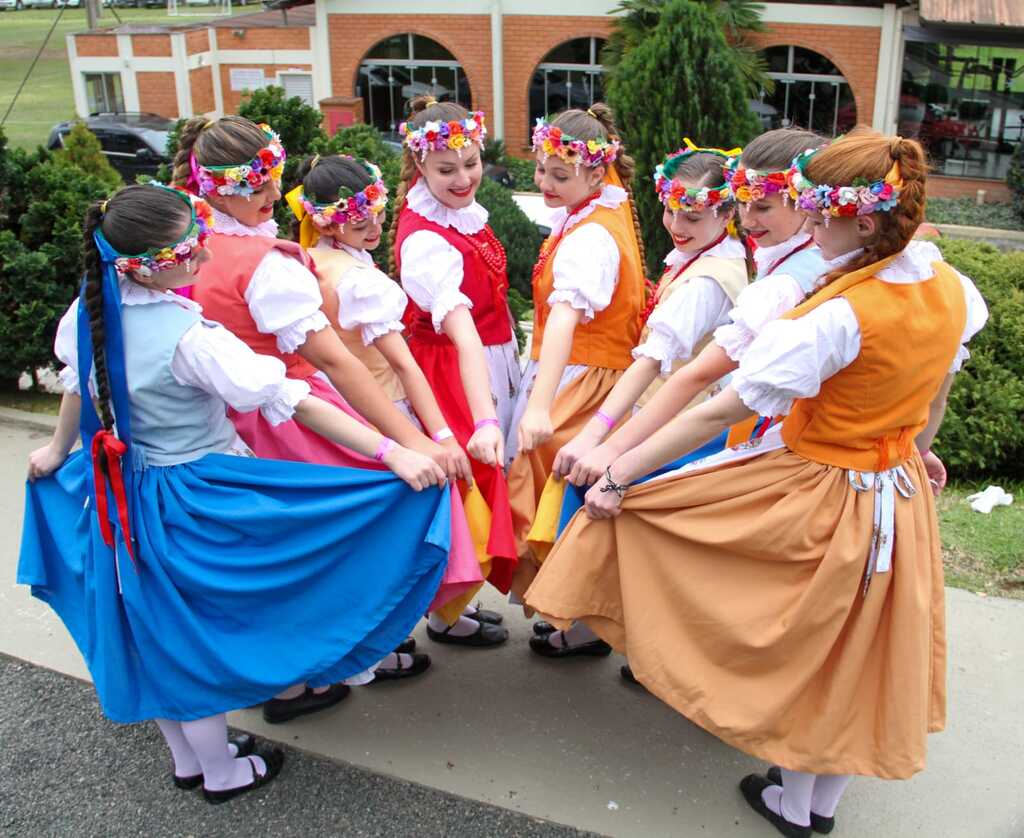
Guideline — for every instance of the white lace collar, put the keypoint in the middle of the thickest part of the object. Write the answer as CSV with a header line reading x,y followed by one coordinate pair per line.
x,y
133,294
468,220
913,264
611,197
228,225
839,261
727,248
765,257
327,243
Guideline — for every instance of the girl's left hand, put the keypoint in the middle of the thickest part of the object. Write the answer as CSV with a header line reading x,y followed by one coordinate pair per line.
x,y
534,429
602,504
936,472
44,461
456,464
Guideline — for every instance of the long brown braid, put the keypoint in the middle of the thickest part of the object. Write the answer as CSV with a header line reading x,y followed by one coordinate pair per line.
x,y
864,153
422,109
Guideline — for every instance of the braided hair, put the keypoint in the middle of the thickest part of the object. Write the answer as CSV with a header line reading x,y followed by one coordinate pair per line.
x,y
323,177
230,139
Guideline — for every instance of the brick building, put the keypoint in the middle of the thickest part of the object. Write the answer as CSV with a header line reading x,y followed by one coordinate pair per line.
x,y
951,73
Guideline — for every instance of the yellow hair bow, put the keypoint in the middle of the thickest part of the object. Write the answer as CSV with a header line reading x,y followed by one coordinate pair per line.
x,y
308,233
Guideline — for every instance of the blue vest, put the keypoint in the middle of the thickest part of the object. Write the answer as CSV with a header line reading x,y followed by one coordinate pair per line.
x,y
805,266
171,424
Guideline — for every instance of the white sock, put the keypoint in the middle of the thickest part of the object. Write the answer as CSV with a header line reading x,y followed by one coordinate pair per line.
x,y
185,762
575,635
395,660
828,791
792,799
221,770
463,627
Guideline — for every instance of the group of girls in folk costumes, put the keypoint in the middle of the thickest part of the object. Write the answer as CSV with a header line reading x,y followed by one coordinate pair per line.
x,y
683,390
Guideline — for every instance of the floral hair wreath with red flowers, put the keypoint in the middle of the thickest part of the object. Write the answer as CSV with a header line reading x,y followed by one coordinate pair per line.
x,y
677,197
243,178
351,206
177,253
859,198
749,185
441,136
550,141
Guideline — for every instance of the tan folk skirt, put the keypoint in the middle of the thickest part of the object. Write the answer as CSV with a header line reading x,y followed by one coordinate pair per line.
x,y
736,594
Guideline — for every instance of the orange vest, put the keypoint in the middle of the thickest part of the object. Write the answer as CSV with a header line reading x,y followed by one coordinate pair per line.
x,y
607,341
867,415
221,292
331,266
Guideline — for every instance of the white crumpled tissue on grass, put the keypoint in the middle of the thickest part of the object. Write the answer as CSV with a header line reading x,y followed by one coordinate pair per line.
x,y
990,498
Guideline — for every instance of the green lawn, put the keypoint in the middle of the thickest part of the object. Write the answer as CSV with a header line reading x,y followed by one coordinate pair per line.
x,y
47,97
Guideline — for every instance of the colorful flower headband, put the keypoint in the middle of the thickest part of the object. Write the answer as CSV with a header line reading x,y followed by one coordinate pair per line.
x,y
860,198
440,136
748,185
351,206
243,178
549,140
180,252
677,197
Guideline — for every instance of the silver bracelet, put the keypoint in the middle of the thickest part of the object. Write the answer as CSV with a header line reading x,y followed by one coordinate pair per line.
x,y
611,485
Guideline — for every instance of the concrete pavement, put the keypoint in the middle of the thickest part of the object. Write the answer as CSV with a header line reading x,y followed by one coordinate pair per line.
x,y
570,743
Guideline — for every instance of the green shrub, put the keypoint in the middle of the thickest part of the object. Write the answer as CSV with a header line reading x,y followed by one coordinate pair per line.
x,y
983,436
966,211
83,149
522,174
1015,180
518,234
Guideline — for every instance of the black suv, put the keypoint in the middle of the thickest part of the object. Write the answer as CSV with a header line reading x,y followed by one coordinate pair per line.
x,y
134,143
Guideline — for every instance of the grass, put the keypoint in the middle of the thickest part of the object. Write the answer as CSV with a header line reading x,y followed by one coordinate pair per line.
x,y
966,211
47,98
31,401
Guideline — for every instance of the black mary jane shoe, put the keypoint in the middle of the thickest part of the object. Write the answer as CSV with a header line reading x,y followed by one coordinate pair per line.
x,y
751,786
245,743
541,644
406,647
482,615
627,675
273,758
485,635
278,710
819,823
417,666
542,628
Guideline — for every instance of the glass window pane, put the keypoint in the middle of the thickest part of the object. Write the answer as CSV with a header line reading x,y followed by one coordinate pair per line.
x,y
424,49
814,63
397,46
777,58
576,51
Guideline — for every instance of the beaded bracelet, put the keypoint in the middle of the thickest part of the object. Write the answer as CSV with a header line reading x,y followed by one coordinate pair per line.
x,y
442,435
612,486
483,423
604,417
386,444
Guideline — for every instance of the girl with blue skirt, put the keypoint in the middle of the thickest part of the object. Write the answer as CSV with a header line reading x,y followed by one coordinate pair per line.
x,y
182,570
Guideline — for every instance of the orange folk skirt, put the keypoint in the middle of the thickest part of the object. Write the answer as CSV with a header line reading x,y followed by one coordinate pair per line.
x,y
736,593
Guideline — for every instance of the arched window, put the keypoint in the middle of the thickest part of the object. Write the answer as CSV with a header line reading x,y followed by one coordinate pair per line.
x,y
401,68
810,92
568,77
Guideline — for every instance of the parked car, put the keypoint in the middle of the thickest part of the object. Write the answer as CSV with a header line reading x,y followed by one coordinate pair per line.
x,y
50,4
11,5
134,143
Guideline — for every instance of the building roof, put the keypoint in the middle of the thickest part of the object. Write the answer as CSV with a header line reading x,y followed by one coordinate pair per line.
x,y
994,13
300,16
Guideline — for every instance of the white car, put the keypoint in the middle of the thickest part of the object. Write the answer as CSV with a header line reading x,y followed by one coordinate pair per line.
x,y
50,4
11,5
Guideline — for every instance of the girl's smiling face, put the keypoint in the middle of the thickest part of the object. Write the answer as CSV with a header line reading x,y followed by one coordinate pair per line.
x,y
249,210
692,231
451,177
770,220
563,185
362,235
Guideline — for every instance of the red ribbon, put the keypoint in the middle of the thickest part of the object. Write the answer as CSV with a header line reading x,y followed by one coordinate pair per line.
x,y
106,445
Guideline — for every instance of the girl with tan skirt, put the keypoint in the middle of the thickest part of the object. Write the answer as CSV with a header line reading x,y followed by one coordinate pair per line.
x,y
588,294
791,602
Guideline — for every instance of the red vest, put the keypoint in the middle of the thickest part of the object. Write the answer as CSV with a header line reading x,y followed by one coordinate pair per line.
x,y
222,285
486,289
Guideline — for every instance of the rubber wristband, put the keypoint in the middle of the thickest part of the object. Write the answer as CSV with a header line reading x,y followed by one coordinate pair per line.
x,y
604,417
483,423
442,435
385,446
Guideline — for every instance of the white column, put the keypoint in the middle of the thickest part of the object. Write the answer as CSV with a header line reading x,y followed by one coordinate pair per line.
x,y
218,90
179,53
320,45
129,81
497,118
890,70
77,79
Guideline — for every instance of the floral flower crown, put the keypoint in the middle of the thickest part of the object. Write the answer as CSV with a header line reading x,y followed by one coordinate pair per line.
x,y
677,197
180,252
859,198
440,136
550,140
748,185
351,206
243,178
